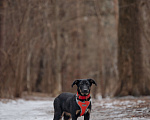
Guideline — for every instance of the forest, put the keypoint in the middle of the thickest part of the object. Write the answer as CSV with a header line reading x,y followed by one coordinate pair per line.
x,y
47,44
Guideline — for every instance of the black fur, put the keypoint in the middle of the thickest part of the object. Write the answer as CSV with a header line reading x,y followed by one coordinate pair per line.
x,y
65,104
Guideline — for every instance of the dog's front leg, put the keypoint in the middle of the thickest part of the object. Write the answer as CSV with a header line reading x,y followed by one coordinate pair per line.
x,y
87,116
74,117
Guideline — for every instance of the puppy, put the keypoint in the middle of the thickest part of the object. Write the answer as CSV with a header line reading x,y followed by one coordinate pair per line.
x,y
69,105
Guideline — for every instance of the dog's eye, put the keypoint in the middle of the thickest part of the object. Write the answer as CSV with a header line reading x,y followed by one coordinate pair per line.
x,y
86,83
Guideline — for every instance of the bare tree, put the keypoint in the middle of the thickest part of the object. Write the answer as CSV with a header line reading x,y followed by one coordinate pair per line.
x,y
133,72
107,12
1,35
45,45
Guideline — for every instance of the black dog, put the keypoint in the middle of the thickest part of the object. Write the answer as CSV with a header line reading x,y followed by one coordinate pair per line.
x,y
74,105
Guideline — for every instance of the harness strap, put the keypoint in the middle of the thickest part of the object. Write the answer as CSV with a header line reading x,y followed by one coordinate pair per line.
x,y
83,105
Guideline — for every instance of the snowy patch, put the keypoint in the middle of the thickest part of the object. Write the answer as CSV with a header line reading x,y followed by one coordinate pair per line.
x,y
104,109
26,110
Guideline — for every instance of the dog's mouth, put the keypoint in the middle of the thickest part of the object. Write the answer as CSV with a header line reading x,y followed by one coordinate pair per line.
x,y
84,93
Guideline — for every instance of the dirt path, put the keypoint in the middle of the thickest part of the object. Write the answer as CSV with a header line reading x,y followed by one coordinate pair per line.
x,y
121,109
106,109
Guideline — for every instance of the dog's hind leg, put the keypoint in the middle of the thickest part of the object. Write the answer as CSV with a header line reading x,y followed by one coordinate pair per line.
x,y
57,110
67,116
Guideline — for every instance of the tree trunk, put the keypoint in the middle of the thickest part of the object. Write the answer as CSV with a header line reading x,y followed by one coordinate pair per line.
x,y
1,22
133,72
144,22
58,78
107,12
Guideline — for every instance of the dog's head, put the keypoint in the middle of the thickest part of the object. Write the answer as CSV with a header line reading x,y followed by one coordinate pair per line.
x,y
83,86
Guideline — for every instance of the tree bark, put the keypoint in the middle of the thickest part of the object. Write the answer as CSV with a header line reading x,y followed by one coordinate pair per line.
x,y
107,12
58,77
1,31
132,55
144,22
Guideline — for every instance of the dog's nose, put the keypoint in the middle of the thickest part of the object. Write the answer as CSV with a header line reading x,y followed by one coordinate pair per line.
x,y
85,90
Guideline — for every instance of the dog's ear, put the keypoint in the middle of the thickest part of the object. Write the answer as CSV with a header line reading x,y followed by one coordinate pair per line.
x,y
75,82
92,81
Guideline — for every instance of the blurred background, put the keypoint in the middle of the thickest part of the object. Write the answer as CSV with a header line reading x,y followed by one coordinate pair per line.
x,y
46,44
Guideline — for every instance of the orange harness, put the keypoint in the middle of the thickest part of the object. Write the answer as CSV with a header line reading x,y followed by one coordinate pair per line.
x,y
83,104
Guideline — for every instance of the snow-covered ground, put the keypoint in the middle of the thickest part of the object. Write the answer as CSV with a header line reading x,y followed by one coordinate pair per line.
x,y
104,109
26,110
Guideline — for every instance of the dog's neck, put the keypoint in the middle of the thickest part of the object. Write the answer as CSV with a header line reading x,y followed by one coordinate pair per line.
x,y
83,98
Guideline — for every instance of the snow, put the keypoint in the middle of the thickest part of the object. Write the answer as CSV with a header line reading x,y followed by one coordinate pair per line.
x,y
42,109
26,110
